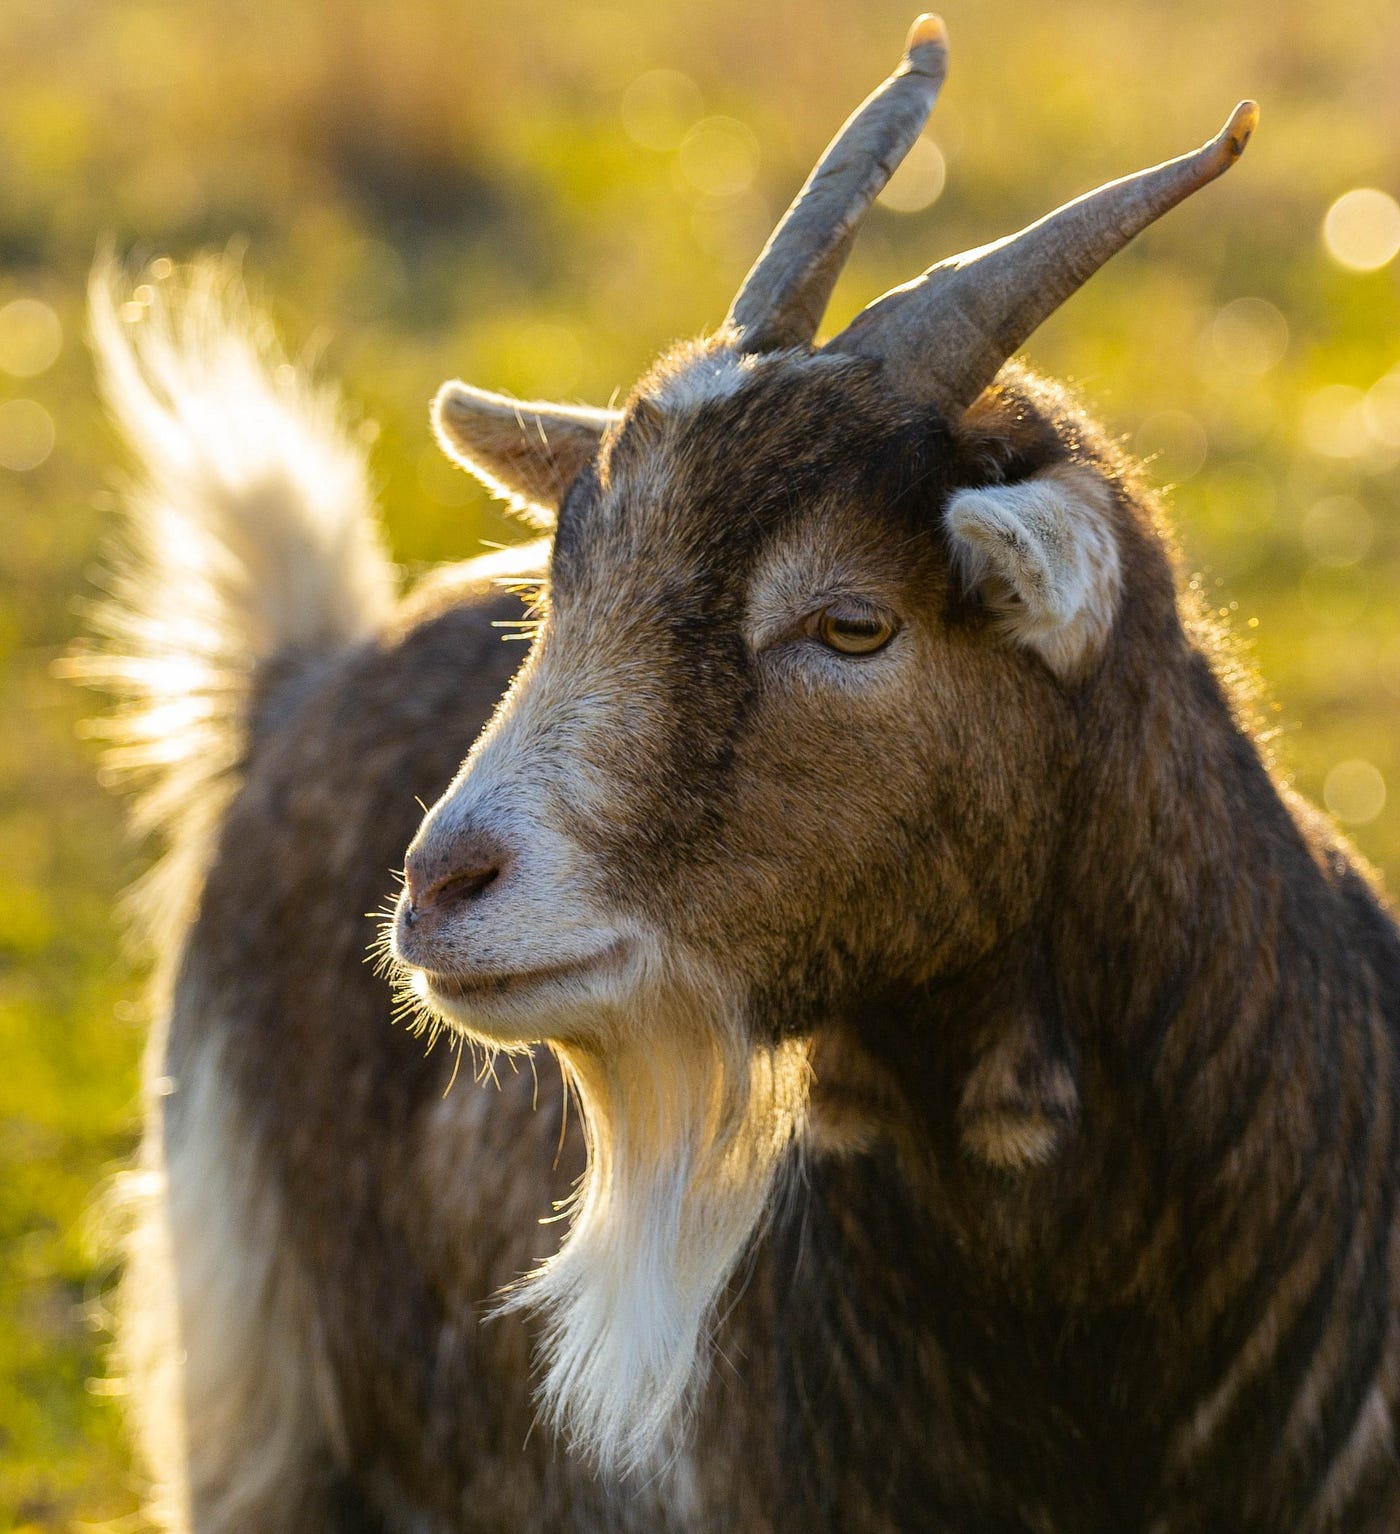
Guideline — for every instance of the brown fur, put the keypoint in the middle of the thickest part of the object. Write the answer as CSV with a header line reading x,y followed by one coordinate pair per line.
x,y
1124,1021
1093,1227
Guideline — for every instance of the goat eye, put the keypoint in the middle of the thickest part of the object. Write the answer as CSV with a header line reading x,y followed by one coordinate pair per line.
x,y
853,631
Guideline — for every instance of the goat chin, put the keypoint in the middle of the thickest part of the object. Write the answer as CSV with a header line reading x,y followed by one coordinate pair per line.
x,y
688,1125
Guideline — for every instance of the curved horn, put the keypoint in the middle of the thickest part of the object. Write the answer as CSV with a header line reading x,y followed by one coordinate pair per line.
x,y
944,336
784,296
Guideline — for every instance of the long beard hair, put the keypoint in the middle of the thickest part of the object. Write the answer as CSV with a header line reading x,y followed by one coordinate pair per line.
x,y
687,1125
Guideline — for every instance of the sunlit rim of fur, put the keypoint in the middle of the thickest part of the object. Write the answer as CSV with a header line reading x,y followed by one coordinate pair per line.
x,y
409,1008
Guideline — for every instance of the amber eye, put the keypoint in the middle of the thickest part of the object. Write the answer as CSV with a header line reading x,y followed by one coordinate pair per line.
x,y
853,630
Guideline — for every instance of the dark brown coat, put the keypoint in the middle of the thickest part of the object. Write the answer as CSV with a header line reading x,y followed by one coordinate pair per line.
x,y
1176,1313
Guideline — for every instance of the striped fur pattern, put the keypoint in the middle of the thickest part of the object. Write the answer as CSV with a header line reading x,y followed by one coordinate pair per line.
x,y
1078,1217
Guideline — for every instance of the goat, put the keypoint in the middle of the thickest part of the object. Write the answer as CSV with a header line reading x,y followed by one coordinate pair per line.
x,y
978,1051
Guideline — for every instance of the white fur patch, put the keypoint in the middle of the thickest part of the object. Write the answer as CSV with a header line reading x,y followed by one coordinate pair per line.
x,y
712,375
687,1124
230,1394
687,1128
1048,548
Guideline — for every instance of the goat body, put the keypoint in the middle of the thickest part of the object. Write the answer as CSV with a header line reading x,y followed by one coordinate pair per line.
x,y
981,1058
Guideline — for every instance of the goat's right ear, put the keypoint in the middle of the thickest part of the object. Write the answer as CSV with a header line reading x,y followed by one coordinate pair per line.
x,y
1045,553
525,453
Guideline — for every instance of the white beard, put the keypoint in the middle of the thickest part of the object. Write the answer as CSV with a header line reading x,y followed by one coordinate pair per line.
x,y
686,1125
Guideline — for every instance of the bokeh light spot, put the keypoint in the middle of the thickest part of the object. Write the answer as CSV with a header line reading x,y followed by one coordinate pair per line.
x,y
442,481
26,435
1174,443
719,157
30,337
1334,422
1382,409
1362,229
918,182
1338,530
732,228
1334,594
546,359
1354,792
659,107
1249,335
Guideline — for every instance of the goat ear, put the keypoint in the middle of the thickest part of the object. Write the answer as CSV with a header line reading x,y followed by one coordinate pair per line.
x,y
1046,555
524,453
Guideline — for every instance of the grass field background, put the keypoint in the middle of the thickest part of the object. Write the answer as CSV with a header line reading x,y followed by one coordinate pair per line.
x,y
537,197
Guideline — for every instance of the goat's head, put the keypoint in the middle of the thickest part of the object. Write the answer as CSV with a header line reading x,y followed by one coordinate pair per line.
x,y
795,730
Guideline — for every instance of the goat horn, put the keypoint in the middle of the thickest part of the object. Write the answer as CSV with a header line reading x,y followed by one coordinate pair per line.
x,y
944,336
783,298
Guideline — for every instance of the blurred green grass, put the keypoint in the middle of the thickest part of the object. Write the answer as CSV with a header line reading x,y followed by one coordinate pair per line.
x,y
511,192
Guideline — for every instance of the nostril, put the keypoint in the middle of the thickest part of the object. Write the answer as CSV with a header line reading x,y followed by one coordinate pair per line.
x,y
451,871
458,888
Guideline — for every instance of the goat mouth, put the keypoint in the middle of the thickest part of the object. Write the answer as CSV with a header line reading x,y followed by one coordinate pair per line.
x,y
439,985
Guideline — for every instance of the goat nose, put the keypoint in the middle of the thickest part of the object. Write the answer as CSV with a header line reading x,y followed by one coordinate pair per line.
x,y
440,872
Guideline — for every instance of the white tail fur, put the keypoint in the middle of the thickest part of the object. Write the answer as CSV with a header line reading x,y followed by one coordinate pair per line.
x,y
250,535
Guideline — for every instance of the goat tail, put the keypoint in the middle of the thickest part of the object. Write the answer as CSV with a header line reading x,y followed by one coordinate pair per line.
x,y
249,553
250,538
